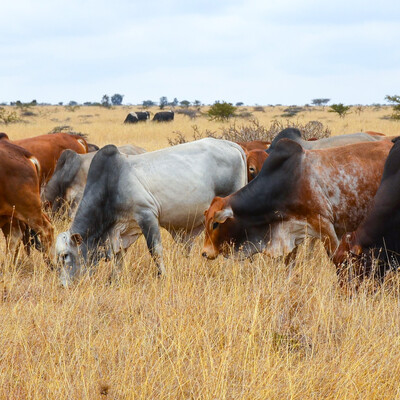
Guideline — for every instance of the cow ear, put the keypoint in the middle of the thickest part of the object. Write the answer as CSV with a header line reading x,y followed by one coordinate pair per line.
x,y
77,239
223,215
356,250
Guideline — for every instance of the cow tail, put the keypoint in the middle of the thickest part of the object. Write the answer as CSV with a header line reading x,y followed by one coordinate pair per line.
x,y
36,164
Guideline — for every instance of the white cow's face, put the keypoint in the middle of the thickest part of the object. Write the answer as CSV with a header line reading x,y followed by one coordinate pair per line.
x,y
69,256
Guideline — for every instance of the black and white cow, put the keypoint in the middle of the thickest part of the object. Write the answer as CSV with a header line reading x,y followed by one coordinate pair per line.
x,y
137,116
127,196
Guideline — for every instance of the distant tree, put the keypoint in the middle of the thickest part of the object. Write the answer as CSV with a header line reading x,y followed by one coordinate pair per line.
x,y
148,103
340,109
60,103
239,104
72,103
197,103
320,102
105,101
396,107
163,102
185,103
175,102
116,99
221,111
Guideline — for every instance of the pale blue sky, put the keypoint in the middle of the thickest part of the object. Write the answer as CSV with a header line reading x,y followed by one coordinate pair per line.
x,y
258,52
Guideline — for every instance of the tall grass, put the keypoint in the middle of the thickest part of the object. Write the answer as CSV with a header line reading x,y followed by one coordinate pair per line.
x,y
209,329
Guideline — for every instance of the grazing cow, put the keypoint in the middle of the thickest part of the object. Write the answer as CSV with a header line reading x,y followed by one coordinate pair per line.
x,y
68,182
143,115
126,196
20,205
322,193
163,116
134,117
378,236
131,118
48,148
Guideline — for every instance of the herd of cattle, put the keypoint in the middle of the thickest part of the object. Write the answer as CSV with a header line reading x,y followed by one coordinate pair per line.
x,y
249,197
138,116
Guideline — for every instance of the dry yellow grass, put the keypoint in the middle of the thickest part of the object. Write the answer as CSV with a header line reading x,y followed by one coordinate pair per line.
x,y
208,330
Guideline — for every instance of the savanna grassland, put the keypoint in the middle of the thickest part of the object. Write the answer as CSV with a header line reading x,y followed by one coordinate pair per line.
x,y
209,329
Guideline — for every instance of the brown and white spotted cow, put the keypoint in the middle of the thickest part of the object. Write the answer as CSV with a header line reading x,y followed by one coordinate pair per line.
x,y
319,193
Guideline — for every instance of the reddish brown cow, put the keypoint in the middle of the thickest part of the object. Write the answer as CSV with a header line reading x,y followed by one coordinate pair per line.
x,y
48,148
255,161
253,145
319,193
20,198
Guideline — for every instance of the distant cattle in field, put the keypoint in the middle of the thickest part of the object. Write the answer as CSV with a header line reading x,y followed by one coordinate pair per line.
x,y
66,186
20,205
163,116
137,116
319,193
377,239
127,196
48,148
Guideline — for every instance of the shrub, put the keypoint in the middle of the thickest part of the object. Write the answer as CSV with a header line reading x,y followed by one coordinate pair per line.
x,y
8,117
340,109
258,109
291,111
221,111
255,131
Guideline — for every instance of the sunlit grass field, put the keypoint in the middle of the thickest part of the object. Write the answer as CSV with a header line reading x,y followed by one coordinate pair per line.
x,y
209,329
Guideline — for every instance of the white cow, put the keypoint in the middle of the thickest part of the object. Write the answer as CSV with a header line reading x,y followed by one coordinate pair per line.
x,y
126,196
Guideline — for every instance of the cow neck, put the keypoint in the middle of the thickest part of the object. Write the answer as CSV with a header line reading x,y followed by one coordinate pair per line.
x,y
272,190
97,211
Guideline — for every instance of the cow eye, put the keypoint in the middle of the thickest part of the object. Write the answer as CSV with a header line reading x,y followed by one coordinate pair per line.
x,y
251,169
215,225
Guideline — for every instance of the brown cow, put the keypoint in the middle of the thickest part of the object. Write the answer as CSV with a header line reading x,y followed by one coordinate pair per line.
x,y
48,148
319,193
253,145
378,236
20,199
255,161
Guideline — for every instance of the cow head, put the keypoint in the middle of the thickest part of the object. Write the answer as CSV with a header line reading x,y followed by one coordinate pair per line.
x,y
347,247
255,161
71,256
224,229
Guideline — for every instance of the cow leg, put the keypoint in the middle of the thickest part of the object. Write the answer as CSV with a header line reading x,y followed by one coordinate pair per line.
x,y
150,228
